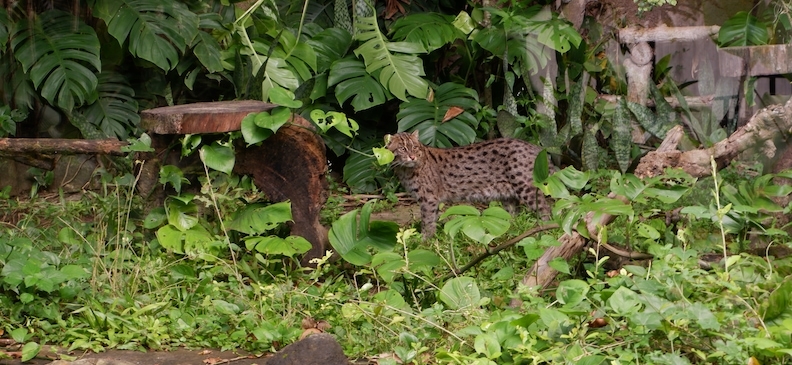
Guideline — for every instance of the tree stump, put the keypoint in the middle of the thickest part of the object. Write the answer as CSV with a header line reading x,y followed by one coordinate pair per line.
x,y
290,165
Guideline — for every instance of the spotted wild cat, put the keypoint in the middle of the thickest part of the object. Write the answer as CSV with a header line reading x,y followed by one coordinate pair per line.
x,y
499,169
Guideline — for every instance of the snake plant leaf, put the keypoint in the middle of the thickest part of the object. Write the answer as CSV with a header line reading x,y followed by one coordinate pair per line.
x,y
621,138
61,55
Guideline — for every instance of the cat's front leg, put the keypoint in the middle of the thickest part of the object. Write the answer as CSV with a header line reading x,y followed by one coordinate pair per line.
x,y
428,216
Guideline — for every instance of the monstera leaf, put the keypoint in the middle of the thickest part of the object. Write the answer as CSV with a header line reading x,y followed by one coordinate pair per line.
x,y
431,30
393,63
61,55
156,30
743,29
428,117
352,80
115,111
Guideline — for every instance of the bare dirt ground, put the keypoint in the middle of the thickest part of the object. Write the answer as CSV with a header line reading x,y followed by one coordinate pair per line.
x,y
175,357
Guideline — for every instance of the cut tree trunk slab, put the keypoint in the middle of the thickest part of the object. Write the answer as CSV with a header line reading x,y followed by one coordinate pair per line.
x,y
290,165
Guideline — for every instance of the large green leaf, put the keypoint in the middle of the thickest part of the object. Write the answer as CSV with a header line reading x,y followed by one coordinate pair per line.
x,y
207,50
427,116
460,293
395,64
156,30
354,82
743,29
115,112
257,218
330,45
61,55
352,238
431,30
621,138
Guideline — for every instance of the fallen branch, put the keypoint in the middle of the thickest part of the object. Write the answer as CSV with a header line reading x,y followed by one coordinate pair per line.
x,y
16,146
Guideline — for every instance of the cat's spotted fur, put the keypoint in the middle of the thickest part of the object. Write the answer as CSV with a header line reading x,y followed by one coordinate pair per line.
x,y
500,169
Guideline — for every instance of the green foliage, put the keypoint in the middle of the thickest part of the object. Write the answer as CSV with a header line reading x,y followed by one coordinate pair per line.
x,y
743,29
428,116
432,30
156,31
352,237
398,68
115,111
61,55
481,227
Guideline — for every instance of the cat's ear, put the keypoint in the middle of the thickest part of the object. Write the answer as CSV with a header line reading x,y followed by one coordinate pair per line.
x,y
415,134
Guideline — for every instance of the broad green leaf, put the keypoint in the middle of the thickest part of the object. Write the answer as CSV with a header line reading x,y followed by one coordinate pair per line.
x,y
171,238
29,351
257,218
71,272
208,52
399,73
60,53
778,303
557,34
421,259
352,238
172,175
431,30
460,293
361,172
743,29
704,316
273,119
224,307
330,45
624,302
180,214
388,264
428,116
384,156
218,157
283,97
487,344
115,112
353,81
541,170
154,30
273,245
251,132
559,264
465,210
572,292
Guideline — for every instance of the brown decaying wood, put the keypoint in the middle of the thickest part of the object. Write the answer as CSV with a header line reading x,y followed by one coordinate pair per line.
x,y
210,117
16,146
772,123
291,165
769,124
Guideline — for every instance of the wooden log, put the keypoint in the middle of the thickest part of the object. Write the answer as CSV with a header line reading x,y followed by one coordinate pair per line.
x,y
762,132
17,146
291,165
196,118
664,33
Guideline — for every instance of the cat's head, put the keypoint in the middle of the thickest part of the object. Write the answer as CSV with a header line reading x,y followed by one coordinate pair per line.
x,y
406,147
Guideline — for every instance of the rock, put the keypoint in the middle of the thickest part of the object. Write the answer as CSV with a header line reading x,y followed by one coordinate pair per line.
x,y
318,349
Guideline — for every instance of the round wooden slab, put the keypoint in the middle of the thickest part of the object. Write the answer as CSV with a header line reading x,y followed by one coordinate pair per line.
x,y
211,117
